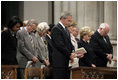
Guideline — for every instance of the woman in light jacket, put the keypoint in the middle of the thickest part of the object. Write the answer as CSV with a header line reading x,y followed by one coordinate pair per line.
x,y
41,32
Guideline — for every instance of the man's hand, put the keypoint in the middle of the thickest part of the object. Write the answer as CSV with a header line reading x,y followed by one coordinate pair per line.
x,y
46,62
93,65
110,60
72,57
35,59
109,56
80,55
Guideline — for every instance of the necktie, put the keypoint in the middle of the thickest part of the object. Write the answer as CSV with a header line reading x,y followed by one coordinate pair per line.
x,y
105,40
66,31
32,43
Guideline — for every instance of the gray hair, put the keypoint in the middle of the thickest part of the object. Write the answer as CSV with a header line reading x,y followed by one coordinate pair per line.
x,y
103,25
32,21
64,15
42,26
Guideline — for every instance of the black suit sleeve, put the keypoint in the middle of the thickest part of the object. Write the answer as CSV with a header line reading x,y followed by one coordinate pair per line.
x,y
85,59
109,45
3,43
96,47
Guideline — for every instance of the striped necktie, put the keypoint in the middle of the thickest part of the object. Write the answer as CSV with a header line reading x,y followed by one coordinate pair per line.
x,y
32,43
66,31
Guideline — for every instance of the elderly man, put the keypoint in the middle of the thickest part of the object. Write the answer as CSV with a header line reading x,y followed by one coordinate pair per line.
x,y
27,48
101,44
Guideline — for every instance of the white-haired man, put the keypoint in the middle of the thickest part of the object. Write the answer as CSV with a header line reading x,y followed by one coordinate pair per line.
x,y
27,48
101,44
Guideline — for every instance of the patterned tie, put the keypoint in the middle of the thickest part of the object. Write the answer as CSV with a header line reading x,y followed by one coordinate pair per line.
x,y
31,41
66,31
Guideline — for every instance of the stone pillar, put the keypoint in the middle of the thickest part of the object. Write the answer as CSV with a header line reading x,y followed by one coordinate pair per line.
x,y
80,13
36,10
57,11
110,17
73,9
100,12
87,14
65,6
91,14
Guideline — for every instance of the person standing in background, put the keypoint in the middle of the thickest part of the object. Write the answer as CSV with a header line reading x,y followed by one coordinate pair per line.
x,y
9,42
71,28
48,39
101,45
24,24
76,33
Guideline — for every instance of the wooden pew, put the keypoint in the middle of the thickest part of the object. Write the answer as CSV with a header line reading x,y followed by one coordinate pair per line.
x,y
9,71
94,73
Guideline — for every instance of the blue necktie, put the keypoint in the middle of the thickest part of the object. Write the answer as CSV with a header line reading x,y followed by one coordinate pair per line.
x,y
66,31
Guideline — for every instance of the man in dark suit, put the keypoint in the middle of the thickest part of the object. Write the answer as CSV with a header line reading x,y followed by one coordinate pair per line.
x,y
101,44
62,47
48,39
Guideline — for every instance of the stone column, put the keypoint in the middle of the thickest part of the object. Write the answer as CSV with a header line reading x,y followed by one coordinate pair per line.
x,y
80,13
91,14
65,6
100,12
110,17
73,9
57,11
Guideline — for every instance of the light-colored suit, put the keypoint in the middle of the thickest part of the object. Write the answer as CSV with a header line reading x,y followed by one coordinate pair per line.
x,y
25,51
42,47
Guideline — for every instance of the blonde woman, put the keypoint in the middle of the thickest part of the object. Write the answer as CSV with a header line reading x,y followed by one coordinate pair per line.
x,y
89,57
41,32
71,29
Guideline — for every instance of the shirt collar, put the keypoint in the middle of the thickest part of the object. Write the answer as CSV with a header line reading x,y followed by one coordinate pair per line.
x,y
61,24
26,31
49,36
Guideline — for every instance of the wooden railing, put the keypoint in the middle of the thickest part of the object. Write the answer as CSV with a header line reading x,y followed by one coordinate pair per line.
x,y
9,71
94,73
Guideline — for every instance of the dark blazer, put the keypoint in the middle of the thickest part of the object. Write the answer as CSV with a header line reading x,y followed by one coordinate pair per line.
x,y
101,48
62,47
8,48
50,50
89,57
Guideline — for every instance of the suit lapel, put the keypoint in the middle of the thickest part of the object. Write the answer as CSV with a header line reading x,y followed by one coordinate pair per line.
x,y
103,41
28,40
64,32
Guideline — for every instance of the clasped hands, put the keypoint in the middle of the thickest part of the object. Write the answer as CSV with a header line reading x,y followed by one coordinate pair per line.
x,y
35,59
78,55
109,57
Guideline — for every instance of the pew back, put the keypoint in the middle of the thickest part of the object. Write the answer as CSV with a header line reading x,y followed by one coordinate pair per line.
x,y
94,73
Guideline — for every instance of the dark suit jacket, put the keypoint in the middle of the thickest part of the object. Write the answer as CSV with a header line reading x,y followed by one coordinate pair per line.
x,y
62,47
89,57
50,50
8,48
101,48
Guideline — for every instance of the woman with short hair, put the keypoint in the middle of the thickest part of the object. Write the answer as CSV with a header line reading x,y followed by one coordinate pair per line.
x,y
42,29
89,57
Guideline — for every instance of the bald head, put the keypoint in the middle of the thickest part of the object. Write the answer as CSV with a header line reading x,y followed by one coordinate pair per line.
x,y
104,29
